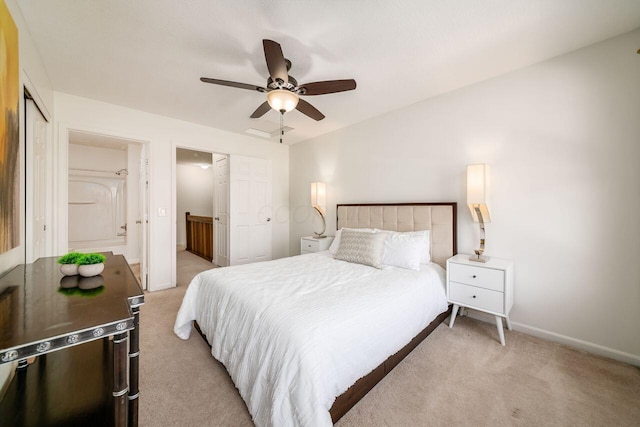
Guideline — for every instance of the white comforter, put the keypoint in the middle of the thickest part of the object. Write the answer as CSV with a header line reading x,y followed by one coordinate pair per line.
x,y
294,333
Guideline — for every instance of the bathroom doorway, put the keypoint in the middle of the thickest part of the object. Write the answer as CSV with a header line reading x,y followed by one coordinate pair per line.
x,y
108,197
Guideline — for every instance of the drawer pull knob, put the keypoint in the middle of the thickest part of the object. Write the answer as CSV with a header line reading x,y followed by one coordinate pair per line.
x,y
474,296
474,276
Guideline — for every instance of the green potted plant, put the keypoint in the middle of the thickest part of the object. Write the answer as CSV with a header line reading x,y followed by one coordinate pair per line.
x,y
69,263
90,265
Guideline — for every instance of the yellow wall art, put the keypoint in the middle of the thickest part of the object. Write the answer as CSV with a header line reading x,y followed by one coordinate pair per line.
x,y
9,132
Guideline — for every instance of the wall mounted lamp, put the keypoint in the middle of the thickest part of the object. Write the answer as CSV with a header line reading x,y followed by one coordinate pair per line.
x,y
319,203
478,185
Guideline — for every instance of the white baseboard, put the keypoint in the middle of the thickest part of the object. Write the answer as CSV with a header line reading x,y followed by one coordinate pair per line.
x,y
590,347
161,286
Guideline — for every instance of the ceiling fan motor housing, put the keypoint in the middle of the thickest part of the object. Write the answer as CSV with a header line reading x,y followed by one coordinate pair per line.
x,y
291,85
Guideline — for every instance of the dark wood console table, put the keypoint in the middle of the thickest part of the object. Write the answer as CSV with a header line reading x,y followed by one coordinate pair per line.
x,y
80,340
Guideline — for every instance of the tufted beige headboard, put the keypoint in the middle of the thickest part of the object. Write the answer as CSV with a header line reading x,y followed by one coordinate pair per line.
x,y
440,218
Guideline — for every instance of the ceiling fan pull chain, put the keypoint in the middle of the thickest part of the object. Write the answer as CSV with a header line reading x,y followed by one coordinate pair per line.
x,y
281,125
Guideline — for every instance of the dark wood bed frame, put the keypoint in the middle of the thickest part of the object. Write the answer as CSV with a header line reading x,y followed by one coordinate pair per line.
x,y
360,388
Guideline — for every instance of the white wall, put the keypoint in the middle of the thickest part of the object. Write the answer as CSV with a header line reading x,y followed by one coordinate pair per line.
x,y
163,135
96,158
34,76
562,139
194,193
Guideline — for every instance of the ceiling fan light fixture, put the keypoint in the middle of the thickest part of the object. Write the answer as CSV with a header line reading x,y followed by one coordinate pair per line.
x,y
282,100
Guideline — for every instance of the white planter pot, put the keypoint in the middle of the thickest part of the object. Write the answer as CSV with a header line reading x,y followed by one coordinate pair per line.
x,y
90,270
69,269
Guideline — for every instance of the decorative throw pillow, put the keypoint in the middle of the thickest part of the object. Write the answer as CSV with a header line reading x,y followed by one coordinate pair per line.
x,y
404,250
333,249
361,247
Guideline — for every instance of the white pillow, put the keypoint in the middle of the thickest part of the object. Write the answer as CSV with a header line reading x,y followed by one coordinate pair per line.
x,y
361,247
333,249
404,250
425,257
425,251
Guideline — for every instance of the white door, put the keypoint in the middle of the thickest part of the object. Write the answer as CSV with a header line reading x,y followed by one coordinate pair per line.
x,y
221,210
250,208
37,182
143,221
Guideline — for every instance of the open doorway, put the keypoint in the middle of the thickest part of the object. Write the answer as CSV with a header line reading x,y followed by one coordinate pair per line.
x,y
108,197
240,228
201,208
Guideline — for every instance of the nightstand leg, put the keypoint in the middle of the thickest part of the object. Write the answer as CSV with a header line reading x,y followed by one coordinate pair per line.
x,y
500,331
508,323
454,311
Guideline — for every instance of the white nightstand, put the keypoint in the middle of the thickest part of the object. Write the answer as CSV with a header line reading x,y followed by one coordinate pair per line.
x,y
312,244
485,287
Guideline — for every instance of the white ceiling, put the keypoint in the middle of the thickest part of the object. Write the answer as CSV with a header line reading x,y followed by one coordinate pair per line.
x,y
150,54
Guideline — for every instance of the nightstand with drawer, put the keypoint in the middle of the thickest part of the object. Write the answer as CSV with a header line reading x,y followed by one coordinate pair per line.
x,y
486,287
313,244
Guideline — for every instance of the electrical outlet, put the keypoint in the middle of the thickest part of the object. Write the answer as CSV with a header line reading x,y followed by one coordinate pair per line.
x,y
163,212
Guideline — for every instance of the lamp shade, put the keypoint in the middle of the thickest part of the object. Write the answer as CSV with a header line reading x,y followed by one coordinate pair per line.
x,y
478,186
282,100
319,196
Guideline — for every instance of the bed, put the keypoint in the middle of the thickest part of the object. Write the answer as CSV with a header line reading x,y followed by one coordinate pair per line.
x,y
305,338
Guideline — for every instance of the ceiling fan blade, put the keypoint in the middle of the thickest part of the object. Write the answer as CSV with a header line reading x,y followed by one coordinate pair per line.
x,y
329,86
305,108
232,84
261,110
275,61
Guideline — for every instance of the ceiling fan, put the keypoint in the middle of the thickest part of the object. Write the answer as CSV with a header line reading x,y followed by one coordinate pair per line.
x,y
283,91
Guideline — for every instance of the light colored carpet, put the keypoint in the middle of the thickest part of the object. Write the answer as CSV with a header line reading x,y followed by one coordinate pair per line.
x,y
459,376
188,265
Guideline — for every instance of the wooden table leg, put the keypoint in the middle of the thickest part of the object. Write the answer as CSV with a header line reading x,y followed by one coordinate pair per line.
x,y
120,379
134,366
